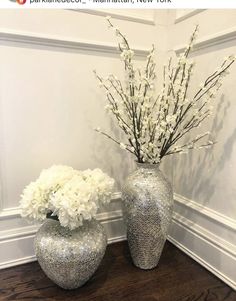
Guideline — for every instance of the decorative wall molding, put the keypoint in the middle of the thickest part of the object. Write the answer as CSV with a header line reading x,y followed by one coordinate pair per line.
x,y
125,16
206,235
211,40
17,233
29,38
116,196
209,213
184,14
209,249
9,213
208,253
18,261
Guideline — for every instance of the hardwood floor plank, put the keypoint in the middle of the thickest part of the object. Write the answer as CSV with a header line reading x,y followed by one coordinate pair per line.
x,y
177,278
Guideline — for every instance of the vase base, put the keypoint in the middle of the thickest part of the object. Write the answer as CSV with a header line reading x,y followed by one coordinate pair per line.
x,y
69,287
145,267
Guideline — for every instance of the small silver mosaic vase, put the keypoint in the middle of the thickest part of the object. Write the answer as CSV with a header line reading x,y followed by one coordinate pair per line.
x,y
148,206
70,258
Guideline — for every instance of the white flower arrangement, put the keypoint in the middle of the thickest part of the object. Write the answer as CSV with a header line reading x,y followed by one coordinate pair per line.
x,y
66,194
154,124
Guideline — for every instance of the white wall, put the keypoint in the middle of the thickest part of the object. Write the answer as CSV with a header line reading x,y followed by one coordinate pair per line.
x,y
204,181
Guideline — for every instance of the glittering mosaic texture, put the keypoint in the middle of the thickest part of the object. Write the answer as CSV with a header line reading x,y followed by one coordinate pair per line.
x,y
148,206
70,258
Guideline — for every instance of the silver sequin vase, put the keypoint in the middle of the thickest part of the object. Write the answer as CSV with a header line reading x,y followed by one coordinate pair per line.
x,y
70,258
148,205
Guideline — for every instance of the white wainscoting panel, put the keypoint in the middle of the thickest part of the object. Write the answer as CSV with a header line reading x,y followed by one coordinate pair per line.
x,y
197,231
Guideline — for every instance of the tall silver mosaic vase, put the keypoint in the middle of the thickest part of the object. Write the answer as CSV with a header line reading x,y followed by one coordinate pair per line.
x,y
148,206
70,258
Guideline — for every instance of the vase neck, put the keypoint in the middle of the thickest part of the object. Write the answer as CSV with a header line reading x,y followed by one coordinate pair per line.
x,y
148,166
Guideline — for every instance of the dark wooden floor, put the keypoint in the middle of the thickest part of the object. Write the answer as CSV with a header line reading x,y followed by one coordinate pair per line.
x,y
177,278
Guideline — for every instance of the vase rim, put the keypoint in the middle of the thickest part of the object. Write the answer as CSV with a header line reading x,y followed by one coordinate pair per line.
x,y
147,165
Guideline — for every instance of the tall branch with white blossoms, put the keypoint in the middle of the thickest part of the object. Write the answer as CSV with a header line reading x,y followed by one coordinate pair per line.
x,y
154,124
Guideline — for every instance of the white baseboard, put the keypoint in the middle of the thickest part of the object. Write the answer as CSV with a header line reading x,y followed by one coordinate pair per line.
x,y
205,264
190,232
15,262
204,260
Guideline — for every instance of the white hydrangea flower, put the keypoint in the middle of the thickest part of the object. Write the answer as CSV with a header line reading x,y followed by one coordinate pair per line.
x,y
34,202
74,196
101,182
57,175
75,202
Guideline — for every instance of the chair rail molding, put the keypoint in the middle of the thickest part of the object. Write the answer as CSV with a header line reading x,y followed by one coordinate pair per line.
x,y
30,38
209,213
210,40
